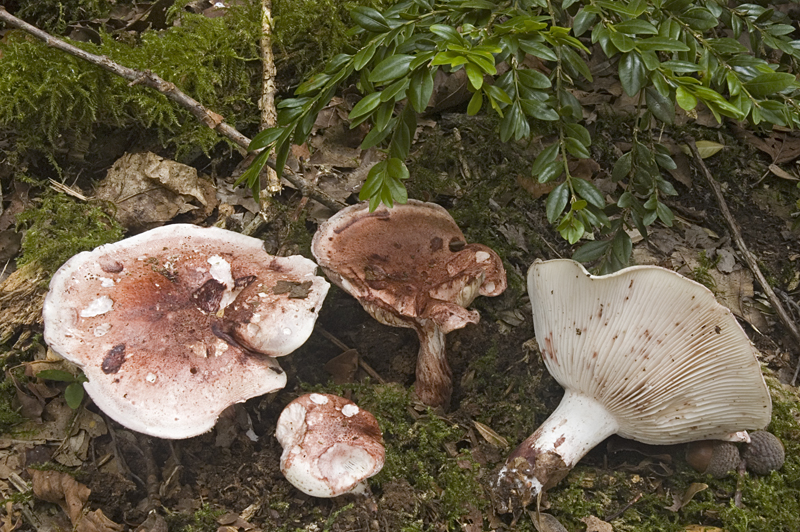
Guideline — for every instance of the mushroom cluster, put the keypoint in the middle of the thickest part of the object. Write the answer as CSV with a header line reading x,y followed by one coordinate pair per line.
x,y
173,325
330,445
644,353
410,266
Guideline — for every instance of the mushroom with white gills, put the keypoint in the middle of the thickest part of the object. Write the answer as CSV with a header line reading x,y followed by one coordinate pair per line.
x,y
175,324
410,266
330,445
644,353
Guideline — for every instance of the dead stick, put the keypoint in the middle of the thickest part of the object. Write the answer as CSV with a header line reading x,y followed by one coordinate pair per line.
x,y
149,79
749,258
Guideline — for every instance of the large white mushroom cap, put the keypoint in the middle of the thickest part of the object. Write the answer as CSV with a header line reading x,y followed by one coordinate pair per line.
x,y
175,324
653,347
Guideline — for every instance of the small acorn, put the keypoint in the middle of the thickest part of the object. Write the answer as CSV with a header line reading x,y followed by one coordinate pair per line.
x,y
715,457
764,453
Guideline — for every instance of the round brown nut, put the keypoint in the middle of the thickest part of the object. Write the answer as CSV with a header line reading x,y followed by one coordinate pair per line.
x,y
764,453
717,458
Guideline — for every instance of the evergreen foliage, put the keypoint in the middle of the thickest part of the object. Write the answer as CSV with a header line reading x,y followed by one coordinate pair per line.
x,y
667,53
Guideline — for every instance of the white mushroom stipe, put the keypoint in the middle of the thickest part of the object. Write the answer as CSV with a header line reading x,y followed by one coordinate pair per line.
x,y
644,353
97,307
162,353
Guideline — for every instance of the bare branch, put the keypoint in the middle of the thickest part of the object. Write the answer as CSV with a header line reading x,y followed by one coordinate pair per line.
x,y
149,79
749,258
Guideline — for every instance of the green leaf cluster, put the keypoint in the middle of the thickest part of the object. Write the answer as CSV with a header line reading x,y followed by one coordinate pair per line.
x,y
667,53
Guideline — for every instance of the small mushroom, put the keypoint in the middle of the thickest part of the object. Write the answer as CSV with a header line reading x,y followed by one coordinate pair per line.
x,y
644,353
330,445
410,266
175,324
764,453
713,457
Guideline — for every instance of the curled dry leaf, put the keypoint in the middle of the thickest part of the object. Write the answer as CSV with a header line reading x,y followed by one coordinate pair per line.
x,y
62,489
490,435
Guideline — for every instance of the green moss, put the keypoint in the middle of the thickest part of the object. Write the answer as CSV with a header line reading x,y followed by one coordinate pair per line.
x,y
55,15
59,227
202,520
214,60
9,415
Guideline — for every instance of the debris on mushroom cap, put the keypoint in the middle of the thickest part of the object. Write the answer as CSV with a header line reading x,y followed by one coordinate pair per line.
x,y
644,353
764,453
713,457
410,266
330,445
175,324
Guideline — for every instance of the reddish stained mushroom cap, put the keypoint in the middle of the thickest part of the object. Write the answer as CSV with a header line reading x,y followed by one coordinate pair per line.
x,y
175,324
410,266
330,445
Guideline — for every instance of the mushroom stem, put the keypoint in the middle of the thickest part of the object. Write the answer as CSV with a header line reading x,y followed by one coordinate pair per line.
x,y
434,384
541,461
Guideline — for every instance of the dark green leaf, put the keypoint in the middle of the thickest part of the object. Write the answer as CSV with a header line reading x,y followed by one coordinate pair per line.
x,y
545,157
73,395
475,103
622,168
391,68
539,110
665,214
365,55
661,107
636,27
578,132
370,19
767,84
582,22
699,18
661,44
421,89
533,78
556,202
551,172
576,148
266,138
576,61
366,105
621,247
376,136
632,73
589,192
622,42
591,251
448,33
537,49
56,375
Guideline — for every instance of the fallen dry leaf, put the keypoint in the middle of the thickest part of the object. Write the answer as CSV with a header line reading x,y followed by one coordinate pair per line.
x,y
595,524
783,174
62,489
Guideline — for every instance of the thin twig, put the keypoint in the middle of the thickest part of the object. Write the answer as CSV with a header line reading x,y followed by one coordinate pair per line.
x,y
749,258
341,345
152,80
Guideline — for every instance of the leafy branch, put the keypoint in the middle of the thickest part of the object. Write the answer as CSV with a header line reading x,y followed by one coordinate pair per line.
x,y
668,53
